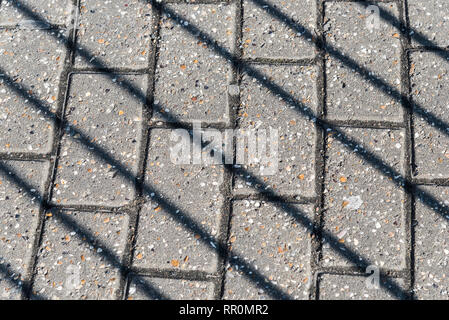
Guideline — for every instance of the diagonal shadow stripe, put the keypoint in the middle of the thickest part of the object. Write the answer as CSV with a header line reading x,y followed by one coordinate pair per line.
x,y
70,223
9,275
364,72
312,116
349,143
92,147
102,154
184,219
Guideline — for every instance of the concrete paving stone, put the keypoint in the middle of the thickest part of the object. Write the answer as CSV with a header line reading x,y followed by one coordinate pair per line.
x,y
278,29
261,109
268,238
78,252
191,78
114,34
165,238
101,109
19,213
430,87
349,95
363,205
80,255
33,60
429,19
32,12
343,287
147,288
432,244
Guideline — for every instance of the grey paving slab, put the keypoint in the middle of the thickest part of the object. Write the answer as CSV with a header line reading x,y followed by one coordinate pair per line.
x,y
27,12
429,20
267,238
32,60
342,287
278,29
19,212
147,288
191,78
349,95
168,238
262,109
114,35
193,215
363,206
103,112
429,81
432,244
80,255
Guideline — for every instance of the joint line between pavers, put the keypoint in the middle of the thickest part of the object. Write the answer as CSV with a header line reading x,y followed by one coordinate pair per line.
x,y
196,2
373,1
410,48
62,91
227,186
315,241
290,199
366,124
49,27
407,151
112,70
350,271
143,152
280,61
190,275
24,156
156,124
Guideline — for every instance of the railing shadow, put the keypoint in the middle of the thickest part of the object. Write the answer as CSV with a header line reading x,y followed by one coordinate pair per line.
x,y
70,223
181,217
188,222
14,278
365,73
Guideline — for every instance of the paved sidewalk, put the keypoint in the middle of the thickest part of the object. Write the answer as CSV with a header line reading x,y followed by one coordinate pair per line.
x,y
93,204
